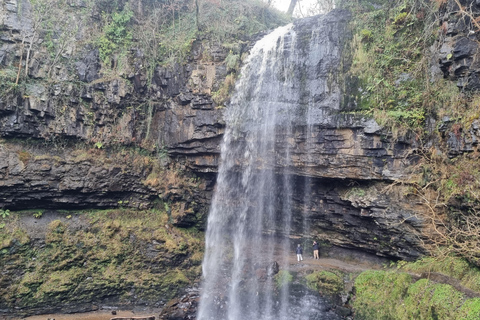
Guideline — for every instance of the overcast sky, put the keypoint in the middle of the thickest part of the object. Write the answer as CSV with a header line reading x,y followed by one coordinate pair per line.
x,y
282,5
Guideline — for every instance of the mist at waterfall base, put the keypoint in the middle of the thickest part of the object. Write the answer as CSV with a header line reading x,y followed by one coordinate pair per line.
x,y
284,85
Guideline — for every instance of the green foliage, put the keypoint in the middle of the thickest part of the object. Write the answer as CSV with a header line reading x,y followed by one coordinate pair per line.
x,y
366,35
390,61
4,213
104,258
379,292
427,300
175,40
356,192
282,278
232,61
38,214
470,310
116,34
400,18
236,19
393,295
7,82
414,118
458,268
326,282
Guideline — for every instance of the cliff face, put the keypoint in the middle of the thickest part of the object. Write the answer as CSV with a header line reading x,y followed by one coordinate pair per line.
x,y
79,134
74,102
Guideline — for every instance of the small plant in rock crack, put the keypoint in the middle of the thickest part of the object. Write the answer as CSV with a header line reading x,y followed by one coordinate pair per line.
x,y
4,213
38,214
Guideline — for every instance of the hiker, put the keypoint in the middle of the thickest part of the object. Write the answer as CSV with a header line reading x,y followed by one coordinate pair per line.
x,y
299,253
315,250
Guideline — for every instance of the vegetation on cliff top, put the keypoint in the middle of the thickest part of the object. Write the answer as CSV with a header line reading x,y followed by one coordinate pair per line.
x,y
163,31
393,80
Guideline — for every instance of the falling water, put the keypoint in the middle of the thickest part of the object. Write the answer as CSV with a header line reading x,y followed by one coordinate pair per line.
x,y
283,86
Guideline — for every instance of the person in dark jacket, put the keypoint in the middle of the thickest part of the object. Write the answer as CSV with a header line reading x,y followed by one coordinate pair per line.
x,y
299,252
315,250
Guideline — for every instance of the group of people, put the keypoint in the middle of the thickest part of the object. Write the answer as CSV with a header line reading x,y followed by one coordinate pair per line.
x,y
299,251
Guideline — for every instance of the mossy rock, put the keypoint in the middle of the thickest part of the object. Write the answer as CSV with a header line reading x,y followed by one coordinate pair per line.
x,y
114,256
395,295
326,282
283,277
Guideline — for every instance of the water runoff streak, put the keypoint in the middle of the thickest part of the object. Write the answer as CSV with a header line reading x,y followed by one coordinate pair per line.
x,y
250,223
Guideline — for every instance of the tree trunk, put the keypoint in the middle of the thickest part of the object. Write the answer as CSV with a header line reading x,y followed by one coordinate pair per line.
x,y
293,3
20,64
197,14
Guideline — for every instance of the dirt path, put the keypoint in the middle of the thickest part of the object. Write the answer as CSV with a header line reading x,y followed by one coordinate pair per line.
x,y
328,263
94,315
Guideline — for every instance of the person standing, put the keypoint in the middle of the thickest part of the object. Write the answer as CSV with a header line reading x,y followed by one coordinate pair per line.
x,y
299,252
315,250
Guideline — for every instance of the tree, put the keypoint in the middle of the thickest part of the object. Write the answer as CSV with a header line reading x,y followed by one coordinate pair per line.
x,y
314,8
291,7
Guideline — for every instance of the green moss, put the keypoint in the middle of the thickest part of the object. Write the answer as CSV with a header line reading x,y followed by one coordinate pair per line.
x,y
378,293
283,277
470,310
110,257
394,295
427,300
59,283
325,281
467,274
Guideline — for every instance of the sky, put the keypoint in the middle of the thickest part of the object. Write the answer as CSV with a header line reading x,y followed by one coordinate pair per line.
x,y
282,5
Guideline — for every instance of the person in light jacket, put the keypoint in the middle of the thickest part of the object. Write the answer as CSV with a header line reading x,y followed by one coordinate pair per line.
x,y
315,250
299,252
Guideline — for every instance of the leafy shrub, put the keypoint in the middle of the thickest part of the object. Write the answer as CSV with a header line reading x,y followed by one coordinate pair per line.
x,y
366,35
116,33
400,18
4,213
232,61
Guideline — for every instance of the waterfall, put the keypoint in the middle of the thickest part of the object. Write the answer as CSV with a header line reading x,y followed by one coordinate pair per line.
x,y
285,85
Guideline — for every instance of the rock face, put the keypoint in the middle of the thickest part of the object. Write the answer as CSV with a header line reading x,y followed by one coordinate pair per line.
x,y
71,182
77,262
174,113
173,110
458,53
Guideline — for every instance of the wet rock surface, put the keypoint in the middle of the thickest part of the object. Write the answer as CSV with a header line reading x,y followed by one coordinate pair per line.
x,y
183,308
